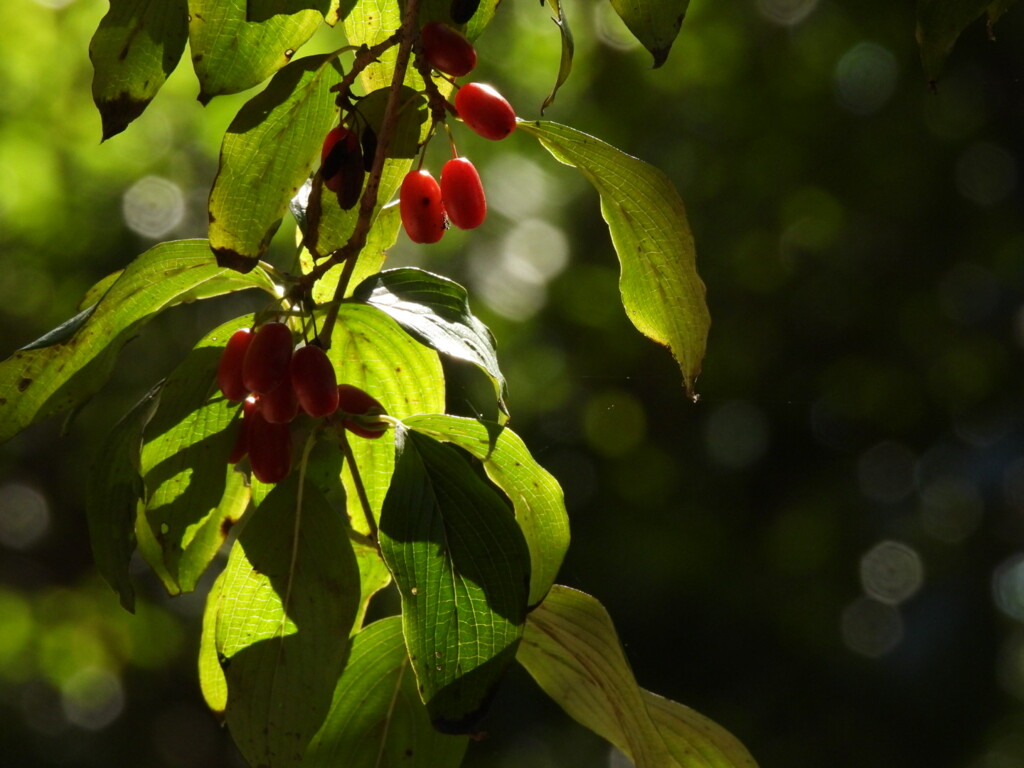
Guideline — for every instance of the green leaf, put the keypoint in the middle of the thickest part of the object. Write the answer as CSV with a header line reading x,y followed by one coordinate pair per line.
x,y
254,184
212,682
237,44
661,290
571,649
136,47
536,496
568,48
462,568
435,310
939,24
377,717
655,23
444,11
58,372
112,497
370,351
193,496
289,598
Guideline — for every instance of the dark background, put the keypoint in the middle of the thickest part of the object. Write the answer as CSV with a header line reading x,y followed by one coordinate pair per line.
x,y
825,554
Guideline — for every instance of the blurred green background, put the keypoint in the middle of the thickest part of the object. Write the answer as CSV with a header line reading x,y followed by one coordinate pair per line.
x,y
825,554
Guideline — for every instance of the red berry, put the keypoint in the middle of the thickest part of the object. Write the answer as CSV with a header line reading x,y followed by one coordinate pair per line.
x,y
463,194
266,361
242,441
485,111
314,381
270,449
341,165
280,405
421,207
229,370
446,50
360,411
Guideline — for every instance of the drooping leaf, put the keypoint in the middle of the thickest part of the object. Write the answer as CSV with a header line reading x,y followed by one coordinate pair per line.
x,y
136,47
535,494
377,717
254,183
655,23
62,370
469,16
435,310
193,496
571,649
939,24
462,569
112,496
212,682
370,351
290,595
568,47
661,290
237,44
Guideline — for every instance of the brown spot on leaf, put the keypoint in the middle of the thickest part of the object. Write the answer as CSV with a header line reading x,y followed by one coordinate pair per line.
x,y
118,112
23,384
231,259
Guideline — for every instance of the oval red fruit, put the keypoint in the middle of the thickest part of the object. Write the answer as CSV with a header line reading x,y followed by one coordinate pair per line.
x,y
279,405
314,381
341,165
270,449
241,447
485,111
463,194
419,203
266,361
446,50
360,412
229,370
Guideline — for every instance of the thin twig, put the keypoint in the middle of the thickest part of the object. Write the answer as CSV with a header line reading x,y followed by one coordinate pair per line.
x,y
357,480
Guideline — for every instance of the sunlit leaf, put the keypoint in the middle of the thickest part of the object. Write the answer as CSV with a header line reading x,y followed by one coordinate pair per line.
x,y
112,496
939,24
462,568
661,290
435,310
136,47
254,186
655,23
535,494
289,598
568,47
237,44
377,717
571,649
57,372
211,677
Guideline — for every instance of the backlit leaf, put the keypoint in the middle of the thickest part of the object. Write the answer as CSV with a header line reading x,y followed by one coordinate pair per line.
x,y
136,47
568,47
661,290
59,371
211,677
462,568
655,23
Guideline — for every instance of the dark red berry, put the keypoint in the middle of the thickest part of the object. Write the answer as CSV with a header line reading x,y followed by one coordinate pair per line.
x,y
421,208
463,194
241,447
270,449
447,51
360,412
341,165
279,405
229,370
314,381
485,111
266,361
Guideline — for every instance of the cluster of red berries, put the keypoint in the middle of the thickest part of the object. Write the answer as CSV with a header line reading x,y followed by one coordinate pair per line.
x,y
274,382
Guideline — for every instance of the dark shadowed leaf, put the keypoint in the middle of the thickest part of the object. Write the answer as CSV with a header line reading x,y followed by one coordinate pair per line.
x,y
462,568
995,11
377,717
290,595
254,186
136,46
655,23
661,290
57,372
535,494
112,497
571,649
939,24
435,310
237,44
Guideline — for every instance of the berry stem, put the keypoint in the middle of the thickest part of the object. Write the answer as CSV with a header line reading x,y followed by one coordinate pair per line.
x,y
357,479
